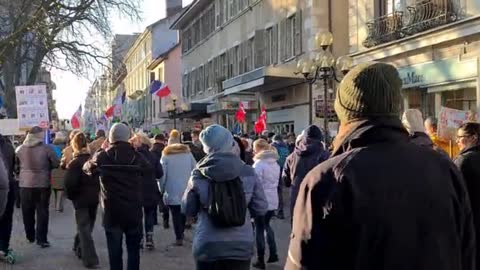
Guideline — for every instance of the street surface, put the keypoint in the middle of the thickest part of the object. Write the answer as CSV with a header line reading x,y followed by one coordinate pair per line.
x,y
61,257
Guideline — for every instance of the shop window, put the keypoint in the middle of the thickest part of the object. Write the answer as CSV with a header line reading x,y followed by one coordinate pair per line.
x,y
279,98
464,99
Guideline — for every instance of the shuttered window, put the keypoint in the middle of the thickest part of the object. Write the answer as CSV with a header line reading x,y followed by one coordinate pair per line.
x,y
259,48
298,33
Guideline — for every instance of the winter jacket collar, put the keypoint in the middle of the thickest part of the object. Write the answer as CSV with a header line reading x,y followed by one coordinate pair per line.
x,y
121,153
366,132
279,144
222,167
421,139
475,148
308,146
31,141
268,154
83,152
176,148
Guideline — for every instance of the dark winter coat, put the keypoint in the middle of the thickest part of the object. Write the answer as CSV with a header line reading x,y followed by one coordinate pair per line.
x,y
422,139
468,161
121,170
382,203
308,154
7,171
151,192
157,149
83,190
197,150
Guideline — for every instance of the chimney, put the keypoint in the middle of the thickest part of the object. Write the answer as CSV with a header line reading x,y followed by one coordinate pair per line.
x,y
173,7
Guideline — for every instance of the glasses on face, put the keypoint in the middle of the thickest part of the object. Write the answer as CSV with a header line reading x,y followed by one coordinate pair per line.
x,y
462,136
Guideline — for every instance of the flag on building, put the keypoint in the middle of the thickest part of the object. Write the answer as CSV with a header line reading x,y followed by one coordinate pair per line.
x,y
261,123
241,113
159,89
75,121
116,108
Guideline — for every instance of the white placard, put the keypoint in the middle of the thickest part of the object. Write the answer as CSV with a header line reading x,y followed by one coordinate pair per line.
x,y
32,106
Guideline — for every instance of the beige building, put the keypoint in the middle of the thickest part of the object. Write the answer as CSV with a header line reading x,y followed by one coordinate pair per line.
x,y
434,43
246,51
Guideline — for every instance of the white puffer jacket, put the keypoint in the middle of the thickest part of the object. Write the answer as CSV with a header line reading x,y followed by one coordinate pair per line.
x,y
268,172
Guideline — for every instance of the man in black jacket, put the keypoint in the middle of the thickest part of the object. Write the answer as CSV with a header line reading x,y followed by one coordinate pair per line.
x,y
120,169
157,150
380,202
8,155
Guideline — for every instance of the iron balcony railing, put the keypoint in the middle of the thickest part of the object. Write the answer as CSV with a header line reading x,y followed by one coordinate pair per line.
x,y
423,15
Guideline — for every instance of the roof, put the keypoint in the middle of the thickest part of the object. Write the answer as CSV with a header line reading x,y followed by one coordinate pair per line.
x,y
161,57
189,13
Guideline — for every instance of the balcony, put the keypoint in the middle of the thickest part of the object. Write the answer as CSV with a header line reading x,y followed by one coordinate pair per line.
x,y
424,15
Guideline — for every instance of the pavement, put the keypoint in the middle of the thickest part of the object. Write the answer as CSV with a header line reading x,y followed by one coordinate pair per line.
x,y
60,256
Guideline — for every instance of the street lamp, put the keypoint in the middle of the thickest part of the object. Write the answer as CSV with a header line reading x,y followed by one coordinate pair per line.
x,y
323,67
172,109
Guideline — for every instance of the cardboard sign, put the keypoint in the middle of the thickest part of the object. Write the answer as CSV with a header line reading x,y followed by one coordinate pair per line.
x,y
449,120
32,106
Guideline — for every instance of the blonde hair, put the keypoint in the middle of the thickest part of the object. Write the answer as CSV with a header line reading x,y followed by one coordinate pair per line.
x,y
79,142
261,145
143,138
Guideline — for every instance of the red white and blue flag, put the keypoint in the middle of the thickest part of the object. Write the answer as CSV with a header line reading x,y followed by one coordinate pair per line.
x,y
159,89
116,108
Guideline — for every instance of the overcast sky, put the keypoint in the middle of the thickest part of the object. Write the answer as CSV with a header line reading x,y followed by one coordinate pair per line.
x,y
71,90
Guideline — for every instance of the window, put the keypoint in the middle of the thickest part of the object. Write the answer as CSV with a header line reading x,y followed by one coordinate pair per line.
x,y
233,8
384,7
238,59
268,46
250,54
224,67
154,108
220,14
290,33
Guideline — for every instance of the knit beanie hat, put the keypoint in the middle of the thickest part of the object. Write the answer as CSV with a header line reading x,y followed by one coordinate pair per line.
x,y
174,137
413,121
119,133
217,139
369,90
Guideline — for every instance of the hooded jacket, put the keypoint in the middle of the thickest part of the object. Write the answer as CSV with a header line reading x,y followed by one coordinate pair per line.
x,y
177,163
283,152
120,170
382,202
36,161
211,243
268,172
151,193
422,139
308,153
83,190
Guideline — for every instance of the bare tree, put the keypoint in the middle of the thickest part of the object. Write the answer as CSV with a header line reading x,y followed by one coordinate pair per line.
x,y
55,33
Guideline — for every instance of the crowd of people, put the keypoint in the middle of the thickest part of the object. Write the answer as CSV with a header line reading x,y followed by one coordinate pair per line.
x,y
385,195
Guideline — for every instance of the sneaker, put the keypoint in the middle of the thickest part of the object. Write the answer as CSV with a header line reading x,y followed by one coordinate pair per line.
x,y
259,264
93,266
273,259
44,244
149,242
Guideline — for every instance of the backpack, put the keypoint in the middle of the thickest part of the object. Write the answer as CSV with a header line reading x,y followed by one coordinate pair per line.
x,y
227,206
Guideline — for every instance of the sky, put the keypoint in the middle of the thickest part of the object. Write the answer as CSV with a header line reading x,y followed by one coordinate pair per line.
x,y
72,90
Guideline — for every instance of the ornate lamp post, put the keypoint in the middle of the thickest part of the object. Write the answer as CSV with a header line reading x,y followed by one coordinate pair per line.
x,y
323,67
173,110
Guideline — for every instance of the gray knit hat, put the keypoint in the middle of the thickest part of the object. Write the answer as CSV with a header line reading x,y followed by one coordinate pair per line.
x,y
369,90
119,133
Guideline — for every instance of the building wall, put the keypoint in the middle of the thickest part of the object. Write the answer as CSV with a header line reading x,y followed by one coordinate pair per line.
x,y
173,77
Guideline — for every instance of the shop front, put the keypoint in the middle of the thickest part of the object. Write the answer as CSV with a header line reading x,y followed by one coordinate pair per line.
x,y
451,83
223,112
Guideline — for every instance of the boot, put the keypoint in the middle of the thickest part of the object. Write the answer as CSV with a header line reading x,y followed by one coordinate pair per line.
x,y
149,241
273,258
166,224
280,214
260,263
178,243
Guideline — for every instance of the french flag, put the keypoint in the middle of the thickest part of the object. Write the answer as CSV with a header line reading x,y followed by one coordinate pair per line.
x,y
159,89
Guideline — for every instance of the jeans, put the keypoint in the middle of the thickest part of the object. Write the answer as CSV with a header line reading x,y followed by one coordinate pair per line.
x,y
35,201
262,224
133,237
179,221
149,213
6,220
84,245
223,265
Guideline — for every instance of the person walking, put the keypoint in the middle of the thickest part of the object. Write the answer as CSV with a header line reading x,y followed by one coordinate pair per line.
x,y
151,192
58,174
431,129
191,139
283,153
67,154
157,150
268,172
308,153
215,247
83,190
413,121
36,161
98,142
177,162
468,141
120,170
380,202
7,197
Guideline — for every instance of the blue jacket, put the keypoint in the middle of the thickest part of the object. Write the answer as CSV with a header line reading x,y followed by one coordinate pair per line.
x,y
283,152
211,243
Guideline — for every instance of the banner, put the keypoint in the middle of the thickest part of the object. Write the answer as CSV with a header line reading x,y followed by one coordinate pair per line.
x,y
32,106
449,120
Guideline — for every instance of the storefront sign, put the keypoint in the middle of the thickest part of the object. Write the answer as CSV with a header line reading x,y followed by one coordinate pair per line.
x,y
32,106
230,106
450,120
438,72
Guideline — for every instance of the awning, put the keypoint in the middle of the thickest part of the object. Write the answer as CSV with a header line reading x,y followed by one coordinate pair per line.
x,y
136,95
195,111
262,79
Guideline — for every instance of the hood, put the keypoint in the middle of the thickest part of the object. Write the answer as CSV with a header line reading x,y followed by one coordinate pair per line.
x,y
366,132
176,148
279,144
307,146
267,154
122,153
313,132
421,139
223,167
31,141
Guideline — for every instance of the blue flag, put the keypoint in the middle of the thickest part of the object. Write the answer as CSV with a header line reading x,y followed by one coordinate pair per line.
x,y
155,86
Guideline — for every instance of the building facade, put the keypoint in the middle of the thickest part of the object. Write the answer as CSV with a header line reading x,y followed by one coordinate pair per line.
x,y
246,51
433,43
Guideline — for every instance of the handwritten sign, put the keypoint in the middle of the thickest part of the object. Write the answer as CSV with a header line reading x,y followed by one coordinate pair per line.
x,y
450,120
32,106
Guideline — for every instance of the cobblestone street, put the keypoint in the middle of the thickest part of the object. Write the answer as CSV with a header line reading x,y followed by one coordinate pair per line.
x,y
61,257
